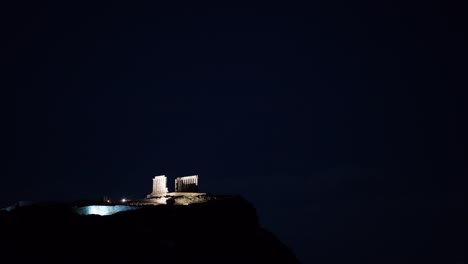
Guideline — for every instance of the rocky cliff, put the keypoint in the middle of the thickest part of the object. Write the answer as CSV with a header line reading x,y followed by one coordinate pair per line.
x,y
218,231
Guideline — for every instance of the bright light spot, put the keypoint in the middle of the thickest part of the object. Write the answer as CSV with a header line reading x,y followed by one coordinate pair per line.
x,y
124,200
104,209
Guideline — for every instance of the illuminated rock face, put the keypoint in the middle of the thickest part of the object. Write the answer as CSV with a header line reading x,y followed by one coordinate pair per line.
x,y
186,184
159,185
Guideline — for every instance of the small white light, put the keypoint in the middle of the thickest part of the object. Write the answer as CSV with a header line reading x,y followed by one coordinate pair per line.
x,y
124,200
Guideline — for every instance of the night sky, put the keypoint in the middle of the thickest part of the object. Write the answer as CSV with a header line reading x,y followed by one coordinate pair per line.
x,y
340,121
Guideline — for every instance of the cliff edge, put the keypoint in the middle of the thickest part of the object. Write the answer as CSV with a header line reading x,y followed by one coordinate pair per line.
x,y
217,231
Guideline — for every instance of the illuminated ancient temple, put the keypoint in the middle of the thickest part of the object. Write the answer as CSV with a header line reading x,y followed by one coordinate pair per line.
x,y
159,185
187,185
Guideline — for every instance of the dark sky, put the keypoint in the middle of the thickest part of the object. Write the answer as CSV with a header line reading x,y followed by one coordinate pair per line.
x,y
340,121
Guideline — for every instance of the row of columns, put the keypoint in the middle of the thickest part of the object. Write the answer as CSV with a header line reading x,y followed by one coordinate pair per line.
x,y
182,184
187,184
159,185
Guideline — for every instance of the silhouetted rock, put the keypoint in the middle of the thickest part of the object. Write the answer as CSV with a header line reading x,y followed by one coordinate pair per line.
x,y
218,231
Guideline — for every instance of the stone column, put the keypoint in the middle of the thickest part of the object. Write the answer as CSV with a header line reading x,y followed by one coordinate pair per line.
x,y
159,185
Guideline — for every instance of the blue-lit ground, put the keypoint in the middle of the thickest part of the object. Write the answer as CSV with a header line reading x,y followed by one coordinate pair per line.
x,y
104,209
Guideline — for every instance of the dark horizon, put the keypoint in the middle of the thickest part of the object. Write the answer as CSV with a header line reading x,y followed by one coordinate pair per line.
x,y
341,122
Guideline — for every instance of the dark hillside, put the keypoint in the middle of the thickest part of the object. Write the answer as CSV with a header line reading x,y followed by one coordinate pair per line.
x,y
222,231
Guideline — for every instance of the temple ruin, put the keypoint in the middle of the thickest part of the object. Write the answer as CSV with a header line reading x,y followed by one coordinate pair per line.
x,y
186,184
159,185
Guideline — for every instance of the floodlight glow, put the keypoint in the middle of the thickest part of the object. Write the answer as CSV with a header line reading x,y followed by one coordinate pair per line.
x,y
104,209
124,200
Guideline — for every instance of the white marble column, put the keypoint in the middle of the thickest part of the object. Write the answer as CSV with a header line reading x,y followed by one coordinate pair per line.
x,y
159,185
